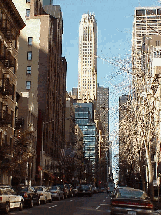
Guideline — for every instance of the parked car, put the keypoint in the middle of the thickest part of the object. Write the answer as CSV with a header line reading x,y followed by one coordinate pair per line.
x,y
84,190
63,187
75,191
56,192
44,193
70,190
9,199
126,200
30,195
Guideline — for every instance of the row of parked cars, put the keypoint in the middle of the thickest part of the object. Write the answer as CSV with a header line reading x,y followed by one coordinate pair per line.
x,y
20,196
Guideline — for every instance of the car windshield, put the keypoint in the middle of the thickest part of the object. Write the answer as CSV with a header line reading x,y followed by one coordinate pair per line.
x,y
131,194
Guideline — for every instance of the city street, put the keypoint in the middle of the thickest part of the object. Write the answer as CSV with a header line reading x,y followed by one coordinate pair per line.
x,y
98,204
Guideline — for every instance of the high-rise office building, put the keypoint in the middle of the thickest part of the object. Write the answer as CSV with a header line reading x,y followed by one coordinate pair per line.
x,y
147,21
87,65
84,119
102,114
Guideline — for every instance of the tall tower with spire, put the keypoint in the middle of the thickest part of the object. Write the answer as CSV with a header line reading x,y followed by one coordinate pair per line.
x,y
87,62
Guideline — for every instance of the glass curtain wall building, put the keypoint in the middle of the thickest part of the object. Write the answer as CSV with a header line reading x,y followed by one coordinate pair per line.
x,y
84,118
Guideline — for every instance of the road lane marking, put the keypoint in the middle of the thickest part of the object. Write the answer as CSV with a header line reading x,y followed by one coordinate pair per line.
x,y
49,207
71,200
98,207
103,200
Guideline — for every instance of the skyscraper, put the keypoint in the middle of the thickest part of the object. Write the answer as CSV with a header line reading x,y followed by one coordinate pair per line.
x,y
147,21
102,114
87,65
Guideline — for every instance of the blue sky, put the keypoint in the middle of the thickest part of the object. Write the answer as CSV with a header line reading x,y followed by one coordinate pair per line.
x,y
114,22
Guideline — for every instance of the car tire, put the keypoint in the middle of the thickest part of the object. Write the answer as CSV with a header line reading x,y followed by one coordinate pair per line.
x,y
7,207
21,206
38,202
59,198
31,203
50,200
63,197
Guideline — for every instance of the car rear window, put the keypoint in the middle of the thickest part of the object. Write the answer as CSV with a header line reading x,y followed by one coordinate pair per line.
x,y
39,188
53,188
3,192
130,194
84,187
24,189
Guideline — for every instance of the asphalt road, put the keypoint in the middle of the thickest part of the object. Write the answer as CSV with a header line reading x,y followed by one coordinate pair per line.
x,y
98,204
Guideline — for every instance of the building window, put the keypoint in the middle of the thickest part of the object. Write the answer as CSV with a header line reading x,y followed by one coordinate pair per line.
x,y
157,43
28,85
159,11
140,12
29,55
27,12
151,12
28,70
30,40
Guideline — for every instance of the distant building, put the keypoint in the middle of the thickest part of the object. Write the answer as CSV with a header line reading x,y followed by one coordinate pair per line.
x,y
102,114
10,25
69,122
87,63
123,139
85,120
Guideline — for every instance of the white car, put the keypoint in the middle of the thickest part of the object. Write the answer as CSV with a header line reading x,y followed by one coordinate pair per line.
x,y
9,199
45,195
57,193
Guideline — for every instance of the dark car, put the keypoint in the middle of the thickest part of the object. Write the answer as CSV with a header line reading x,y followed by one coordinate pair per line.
x,y
30,195
64,188
126,200
84,190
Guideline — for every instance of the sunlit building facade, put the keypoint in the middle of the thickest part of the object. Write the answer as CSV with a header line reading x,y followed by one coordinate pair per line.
x,y
87,64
